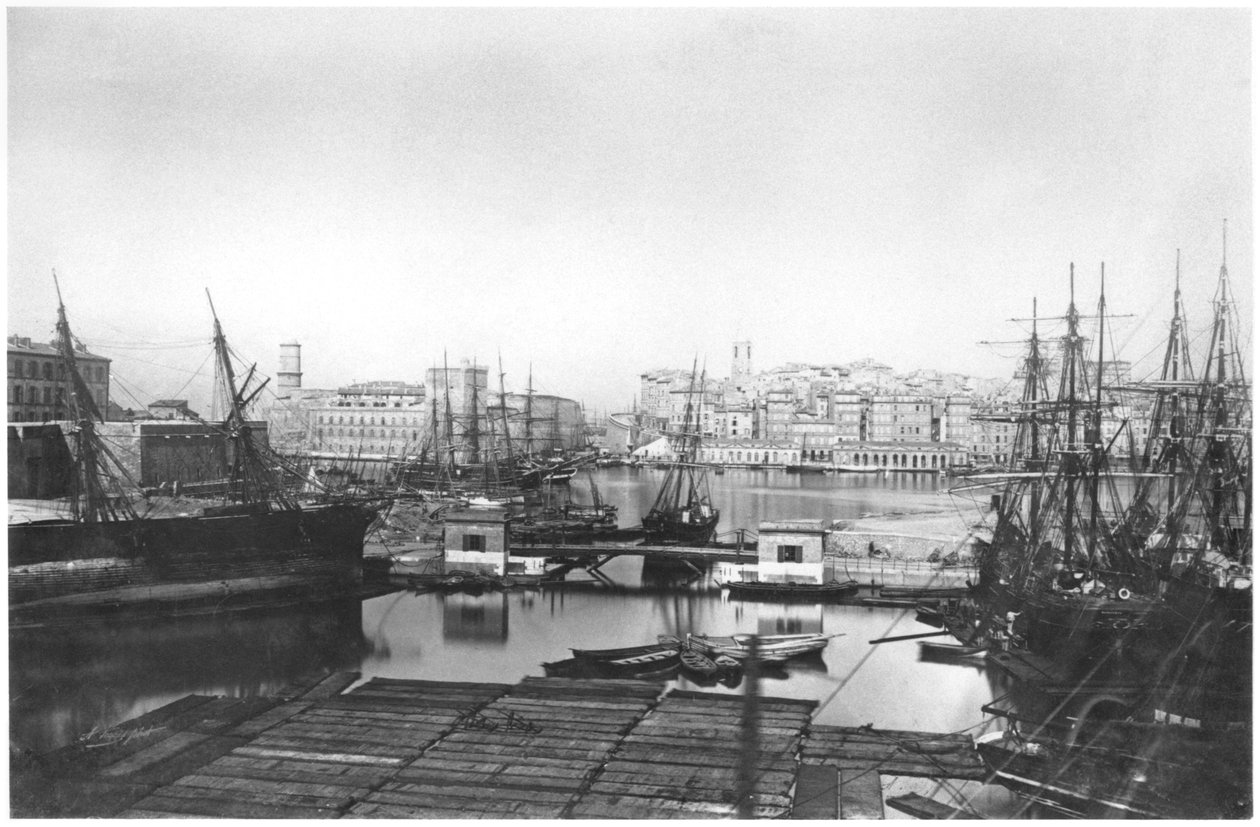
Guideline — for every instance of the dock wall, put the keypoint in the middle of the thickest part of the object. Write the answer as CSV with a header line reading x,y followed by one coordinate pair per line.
x,y
870,571
899,546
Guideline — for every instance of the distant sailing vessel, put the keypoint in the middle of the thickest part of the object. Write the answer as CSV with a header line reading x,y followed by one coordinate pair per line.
x,y
104,535
683,511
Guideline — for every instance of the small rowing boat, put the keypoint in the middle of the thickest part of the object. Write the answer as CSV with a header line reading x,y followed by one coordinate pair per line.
x,y
662,642
770,648
694,661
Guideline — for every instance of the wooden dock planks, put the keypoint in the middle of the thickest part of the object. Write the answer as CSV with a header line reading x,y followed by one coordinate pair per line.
x,y
894,752
543,748
649,776
526,754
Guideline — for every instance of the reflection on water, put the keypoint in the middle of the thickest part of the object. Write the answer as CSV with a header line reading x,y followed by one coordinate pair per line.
x,y
65,683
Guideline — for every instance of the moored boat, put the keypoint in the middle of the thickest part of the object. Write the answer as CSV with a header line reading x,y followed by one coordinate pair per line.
x,y
683,511
664,643
771,648
1132,772
109,537
695,661
790,591
952,650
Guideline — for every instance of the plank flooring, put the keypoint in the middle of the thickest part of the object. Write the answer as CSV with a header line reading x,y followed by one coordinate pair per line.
x,y
541,748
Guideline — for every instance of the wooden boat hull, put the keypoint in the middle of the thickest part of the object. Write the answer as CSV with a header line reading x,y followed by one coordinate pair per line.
x,y
953,650
771,649
661,527
697,662
663,644
821,592
1169,775
926,593
54,559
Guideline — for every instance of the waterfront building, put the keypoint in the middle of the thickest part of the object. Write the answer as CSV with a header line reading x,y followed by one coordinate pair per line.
x,y
755,453
815,435
790,551
38,388
157,454
932,457
993,429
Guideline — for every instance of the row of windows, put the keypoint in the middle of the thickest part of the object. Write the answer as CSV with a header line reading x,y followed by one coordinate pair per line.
x,y
332,433
37,369
36,416
32,395
371,420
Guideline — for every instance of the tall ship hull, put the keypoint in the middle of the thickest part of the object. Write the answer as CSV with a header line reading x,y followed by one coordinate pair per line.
x,y
90,550
61,558
680,527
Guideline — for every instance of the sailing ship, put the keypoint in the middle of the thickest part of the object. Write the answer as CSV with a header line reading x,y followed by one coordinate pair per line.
x,y
106,535
1055,561
683,511
460,462
1191,518
1183,748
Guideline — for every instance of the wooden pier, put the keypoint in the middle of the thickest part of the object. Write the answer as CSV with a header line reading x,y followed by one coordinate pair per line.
x,y
542,748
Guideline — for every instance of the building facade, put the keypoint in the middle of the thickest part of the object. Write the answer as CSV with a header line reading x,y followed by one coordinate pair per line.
x,y
38,386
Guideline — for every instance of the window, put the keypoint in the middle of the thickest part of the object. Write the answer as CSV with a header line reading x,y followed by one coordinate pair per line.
x,y
17,394
48,370
474,542
32,394
47,395
791,554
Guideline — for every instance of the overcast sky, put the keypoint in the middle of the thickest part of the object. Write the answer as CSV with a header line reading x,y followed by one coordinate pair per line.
x,y
599,192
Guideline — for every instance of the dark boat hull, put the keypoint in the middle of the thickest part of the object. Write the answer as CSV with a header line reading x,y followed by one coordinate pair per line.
x,y
55,559
754,590
665,528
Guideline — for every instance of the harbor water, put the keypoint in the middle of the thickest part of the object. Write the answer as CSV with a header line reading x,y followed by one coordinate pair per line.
x,y
66,682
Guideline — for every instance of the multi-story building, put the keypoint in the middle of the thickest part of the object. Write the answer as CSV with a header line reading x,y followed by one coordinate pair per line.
x,y
993,430
955,419
38,388
779,410
384,418
900,419
735,421
847,414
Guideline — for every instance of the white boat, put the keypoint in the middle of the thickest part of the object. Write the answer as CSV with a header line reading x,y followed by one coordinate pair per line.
x,y
772,648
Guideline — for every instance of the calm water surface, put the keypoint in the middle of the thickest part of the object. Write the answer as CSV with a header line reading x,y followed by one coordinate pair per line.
x,y
65,683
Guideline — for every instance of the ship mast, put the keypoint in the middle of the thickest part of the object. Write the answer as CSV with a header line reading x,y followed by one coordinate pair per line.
x,y
89,501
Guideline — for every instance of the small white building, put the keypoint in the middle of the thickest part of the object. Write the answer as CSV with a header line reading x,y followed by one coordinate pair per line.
x,y
791,550
476,540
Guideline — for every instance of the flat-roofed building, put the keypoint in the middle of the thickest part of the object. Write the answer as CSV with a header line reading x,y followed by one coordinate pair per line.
x,y
38,385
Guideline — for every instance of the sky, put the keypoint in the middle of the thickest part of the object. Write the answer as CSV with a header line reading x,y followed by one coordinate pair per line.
x,y
592,193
